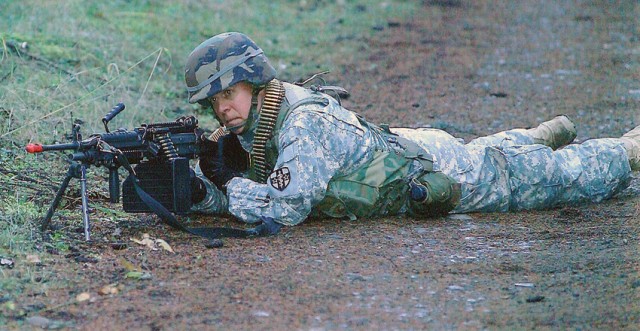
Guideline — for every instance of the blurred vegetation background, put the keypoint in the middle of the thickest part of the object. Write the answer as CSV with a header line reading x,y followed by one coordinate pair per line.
x,y
74,60
64,59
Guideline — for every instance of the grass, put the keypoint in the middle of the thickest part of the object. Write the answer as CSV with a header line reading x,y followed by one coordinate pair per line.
x,y
82,58
73,59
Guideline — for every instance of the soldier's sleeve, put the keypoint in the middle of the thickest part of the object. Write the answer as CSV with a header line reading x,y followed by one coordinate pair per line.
x,y
298,182
214,202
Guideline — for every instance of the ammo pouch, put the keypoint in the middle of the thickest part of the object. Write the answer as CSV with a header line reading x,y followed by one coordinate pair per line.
x,y
378,188
381,187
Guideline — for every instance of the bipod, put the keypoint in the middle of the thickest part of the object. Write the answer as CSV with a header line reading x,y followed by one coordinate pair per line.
x,y
76,170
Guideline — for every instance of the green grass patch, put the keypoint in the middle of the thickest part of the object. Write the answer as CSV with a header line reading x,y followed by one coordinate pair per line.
x,y
81,58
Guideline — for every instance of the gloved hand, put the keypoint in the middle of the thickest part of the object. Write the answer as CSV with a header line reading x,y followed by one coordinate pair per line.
x,y
433,194
268,227
198,189
223,160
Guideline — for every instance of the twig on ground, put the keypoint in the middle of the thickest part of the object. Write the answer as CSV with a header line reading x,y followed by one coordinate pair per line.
x,y
5,77
20,48
24,178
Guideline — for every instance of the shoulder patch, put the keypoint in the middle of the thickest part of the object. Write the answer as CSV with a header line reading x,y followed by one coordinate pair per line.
x,y
280,178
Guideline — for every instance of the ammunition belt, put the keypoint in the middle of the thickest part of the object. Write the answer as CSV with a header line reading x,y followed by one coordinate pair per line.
x,y
219,132
268,117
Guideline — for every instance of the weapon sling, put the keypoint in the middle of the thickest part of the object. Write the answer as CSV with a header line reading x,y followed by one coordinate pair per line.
x,y
167,217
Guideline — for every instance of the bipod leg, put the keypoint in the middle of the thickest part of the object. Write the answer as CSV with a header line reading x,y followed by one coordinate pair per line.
x,y
71,173
85,202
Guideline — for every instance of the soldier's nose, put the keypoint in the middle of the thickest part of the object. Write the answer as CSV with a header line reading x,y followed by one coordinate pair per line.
x,y
223,107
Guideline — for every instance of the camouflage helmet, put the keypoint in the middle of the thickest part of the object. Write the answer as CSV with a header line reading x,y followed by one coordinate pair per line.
x,y
223,61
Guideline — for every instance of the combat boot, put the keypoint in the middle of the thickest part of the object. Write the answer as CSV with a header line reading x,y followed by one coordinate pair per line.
x,y
631,142
555,133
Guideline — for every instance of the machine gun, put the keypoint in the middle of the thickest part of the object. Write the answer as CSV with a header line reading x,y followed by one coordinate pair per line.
x,y
160,151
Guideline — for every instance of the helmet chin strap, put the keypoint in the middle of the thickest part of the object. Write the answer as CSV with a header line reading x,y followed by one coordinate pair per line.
x,y
252,118
235,128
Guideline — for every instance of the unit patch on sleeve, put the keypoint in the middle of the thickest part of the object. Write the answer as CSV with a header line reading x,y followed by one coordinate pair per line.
x,y
280,178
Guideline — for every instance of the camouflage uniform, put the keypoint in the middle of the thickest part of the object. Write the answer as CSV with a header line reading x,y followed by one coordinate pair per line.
x,y
508,171
320,142
502,172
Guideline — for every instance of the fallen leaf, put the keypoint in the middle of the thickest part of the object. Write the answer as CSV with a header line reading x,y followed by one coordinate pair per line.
x,y
147,241
10,305
138,275
134,274
128,265
164,245
84,296
32,258
108,289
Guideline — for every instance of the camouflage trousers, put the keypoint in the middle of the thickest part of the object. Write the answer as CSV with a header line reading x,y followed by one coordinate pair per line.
x,y
507,171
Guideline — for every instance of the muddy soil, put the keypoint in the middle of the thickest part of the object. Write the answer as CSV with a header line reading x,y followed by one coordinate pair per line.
x,y
471,69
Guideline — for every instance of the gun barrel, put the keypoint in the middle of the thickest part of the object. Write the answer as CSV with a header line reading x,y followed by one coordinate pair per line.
x,y
37,148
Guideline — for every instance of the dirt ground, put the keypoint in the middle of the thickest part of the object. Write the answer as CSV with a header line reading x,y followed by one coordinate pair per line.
x,y
471,69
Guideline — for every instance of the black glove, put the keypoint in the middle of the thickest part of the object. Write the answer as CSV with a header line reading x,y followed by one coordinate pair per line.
x,y
223,160
198,189
268,227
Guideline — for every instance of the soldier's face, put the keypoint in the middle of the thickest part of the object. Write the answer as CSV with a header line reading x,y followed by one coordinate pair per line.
x,y
232,105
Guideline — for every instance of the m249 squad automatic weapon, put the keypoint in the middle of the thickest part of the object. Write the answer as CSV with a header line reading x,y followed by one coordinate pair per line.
x,y
161,180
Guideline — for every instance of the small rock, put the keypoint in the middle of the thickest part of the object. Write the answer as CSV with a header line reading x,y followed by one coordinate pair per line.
x,y
261,313
214,243
455,288
85,259
39,321
524,285
535,298
498,94
119,246
5,262
460,217
356,277
422,230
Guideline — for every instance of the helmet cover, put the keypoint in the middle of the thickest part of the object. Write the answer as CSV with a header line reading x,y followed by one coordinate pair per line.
x,y
223,61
